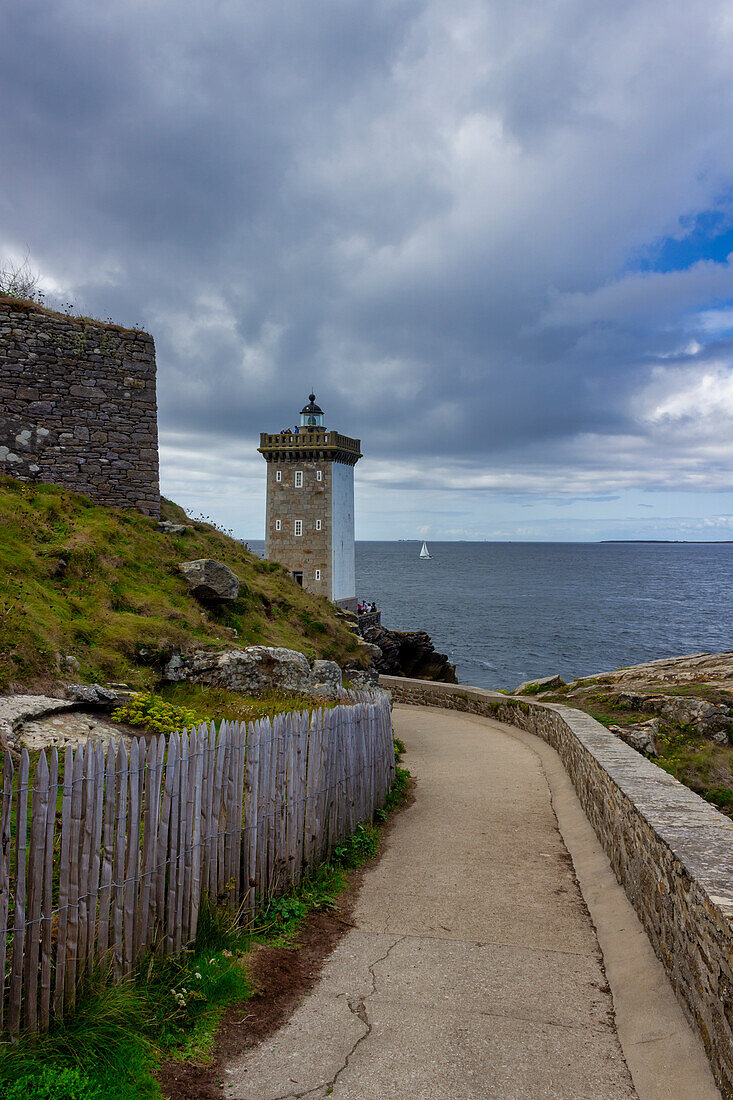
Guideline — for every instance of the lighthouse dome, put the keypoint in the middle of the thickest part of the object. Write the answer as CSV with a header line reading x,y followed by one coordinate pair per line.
x,y
311,415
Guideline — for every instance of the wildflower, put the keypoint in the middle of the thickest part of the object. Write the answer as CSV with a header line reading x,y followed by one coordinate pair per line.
x,y
226,954
198,975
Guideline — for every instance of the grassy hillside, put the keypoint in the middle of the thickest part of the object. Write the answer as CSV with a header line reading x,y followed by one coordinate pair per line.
x,y
103,585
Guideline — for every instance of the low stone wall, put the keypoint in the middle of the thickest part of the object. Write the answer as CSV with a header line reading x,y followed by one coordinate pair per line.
x,y
369,618
671,851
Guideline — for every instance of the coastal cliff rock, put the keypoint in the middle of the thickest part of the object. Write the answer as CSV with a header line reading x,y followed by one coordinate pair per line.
x,y
252,670
692,694
256,669
695,668
642,736
409,653
534,687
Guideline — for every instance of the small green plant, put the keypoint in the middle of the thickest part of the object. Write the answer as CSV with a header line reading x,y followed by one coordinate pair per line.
x,y
398,795
153,713
53,1083
721,796
361,846
283,915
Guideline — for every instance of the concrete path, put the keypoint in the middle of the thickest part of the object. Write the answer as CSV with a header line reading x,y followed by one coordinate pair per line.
x,y
474,969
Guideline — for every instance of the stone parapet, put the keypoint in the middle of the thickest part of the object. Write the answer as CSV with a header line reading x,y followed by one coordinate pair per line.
x,y
78,405
670,850
315,445
368,619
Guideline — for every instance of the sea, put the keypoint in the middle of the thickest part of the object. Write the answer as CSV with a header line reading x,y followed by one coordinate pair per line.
x,y
505,612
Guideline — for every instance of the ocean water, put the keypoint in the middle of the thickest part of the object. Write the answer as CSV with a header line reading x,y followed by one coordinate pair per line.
x,y
507,612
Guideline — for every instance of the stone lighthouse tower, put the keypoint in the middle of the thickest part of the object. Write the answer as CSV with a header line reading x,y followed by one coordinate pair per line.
x,y
310,505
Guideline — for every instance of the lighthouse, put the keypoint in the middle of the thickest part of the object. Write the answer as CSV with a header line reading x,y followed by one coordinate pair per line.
x,y
309,527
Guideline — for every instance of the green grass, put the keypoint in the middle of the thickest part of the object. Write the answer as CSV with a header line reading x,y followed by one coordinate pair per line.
x,y
119,1034
103,585
180,706
205,702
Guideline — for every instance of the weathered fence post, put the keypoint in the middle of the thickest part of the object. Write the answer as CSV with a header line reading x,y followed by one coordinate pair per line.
x,y
240,813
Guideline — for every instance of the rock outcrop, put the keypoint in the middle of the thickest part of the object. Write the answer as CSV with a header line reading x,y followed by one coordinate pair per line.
x,y
210,580
641,736
96,695
361,679
533,687
256,669
16,709
409,653
697,668
326,679
712,720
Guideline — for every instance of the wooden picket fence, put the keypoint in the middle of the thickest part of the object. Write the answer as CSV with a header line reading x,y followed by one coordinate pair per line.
x,y
105,854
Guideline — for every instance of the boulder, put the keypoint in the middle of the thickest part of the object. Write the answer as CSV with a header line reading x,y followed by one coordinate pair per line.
x,y
533,687
373,651
362,679
252,670
169,528
210,580
631,700
94,695
326,679
67,663
640,736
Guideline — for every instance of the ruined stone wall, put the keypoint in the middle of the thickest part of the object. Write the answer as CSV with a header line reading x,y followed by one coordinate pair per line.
x,y
78,405
670,850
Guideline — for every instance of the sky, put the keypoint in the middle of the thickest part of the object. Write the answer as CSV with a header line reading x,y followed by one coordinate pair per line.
x,y
495,238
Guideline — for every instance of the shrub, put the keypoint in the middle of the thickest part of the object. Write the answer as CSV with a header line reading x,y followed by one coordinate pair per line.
x,y
20,281
148,710
54,1083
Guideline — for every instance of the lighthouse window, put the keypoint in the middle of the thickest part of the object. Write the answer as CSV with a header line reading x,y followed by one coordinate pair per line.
x,y
319,475
299,527
318,574
279,475
298,479
318,525
278,525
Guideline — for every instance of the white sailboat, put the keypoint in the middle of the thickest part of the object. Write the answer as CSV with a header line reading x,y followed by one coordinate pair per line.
x,y
424,552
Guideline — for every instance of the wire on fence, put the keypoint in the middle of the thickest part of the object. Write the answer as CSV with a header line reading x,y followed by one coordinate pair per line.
x,y
145,832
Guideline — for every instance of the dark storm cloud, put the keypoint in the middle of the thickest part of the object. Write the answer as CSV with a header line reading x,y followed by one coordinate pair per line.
x,y
427,210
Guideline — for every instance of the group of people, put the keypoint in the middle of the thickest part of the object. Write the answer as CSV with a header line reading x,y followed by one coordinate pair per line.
x,y
290,431
364,608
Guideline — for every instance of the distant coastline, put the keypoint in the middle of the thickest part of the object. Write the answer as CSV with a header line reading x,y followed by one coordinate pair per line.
x,y
675,542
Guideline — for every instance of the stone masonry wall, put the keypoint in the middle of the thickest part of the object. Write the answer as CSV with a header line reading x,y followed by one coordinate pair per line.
x,y
670,850
309,503
78,406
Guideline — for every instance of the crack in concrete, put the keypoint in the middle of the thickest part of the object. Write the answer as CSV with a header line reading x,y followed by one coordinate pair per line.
x,y
358,1009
